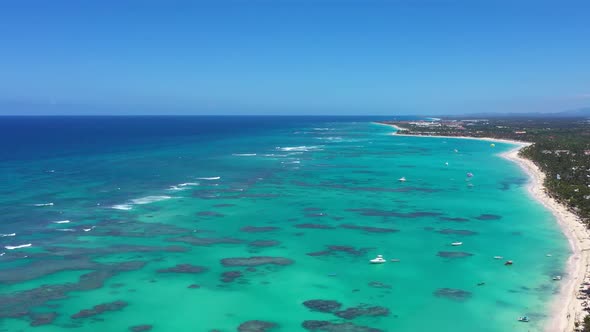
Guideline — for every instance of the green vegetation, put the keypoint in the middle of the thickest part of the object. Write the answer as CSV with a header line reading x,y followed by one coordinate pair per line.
x,y
561,149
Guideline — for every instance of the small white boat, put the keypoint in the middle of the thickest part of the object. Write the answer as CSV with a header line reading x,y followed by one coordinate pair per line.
x,y
469,175
447,163
455,150
524,319
378,260
498,257
402,179
557,278
457,243
548,255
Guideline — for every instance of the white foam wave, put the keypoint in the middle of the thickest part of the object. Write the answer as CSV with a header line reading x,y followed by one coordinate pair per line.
x,y
277,155
139,201
322,129
183,186
61,222
8,234
124,207
301,148
88,229
244,154
330,138
149,199
18,247
2,254
65,229
211,178
43,204
187,184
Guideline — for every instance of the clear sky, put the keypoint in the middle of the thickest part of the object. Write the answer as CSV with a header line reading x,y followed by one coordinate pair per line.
x,y
293,57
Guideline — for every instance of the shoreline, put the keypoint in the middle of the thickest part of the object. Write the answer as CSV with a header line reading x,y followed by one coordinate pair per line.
x,y
566,309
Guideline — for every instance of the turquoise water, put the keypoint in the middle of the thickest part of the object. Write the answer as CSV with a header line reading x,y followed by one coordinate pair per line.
x,y
317,200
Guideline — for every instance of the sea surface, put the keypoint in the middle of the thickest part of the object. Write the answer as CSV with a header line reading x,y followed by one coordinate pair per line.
x,y
265,224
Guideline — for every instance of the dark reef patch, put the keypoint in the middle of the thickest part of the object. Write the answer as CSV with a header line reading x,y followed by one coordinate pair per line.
x,y
315,215
44,318
209,214
453,294
509,182
314,226
385,213
255,229
453,254
183,268
362,310
456,231
230,276
339,185
488,217
327,326
264,243
370,229
256,326
99,309
335,249
323,305
20,303
45,267
363,172
256,261
417,189
81,251
193,286
140,328
454,219
223,205
201,241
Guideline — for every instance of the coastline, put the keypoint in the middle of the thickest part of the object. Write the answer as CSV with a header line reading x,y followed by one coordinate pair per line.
x,y
566,309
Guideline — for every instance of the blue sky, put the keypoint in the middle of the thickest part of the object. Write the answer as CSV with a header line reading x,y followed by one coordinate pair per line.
x,y
293,57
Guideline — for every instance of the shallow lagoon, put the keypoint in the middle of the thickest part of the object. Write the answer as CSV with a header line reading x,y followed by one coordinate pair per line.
x,y
295,215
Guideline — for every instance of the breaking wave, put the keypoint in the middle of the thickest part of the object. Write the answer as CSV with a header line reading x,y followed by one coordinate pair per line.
x,y
140,201
301,148
183,186
43,204
18,247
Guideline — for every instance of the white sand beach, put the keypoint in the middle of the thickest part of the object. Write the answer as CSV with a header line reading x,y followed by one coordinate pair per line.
x,y
567,308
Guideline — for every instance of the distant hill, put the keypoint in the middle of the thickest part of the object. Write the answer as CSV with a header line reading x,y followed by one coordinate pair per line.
x,y
575,113
583,112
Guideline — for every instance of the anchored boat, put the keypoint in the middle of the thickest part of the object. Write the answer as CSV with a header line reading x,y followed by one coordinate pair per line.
x,y
378,260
